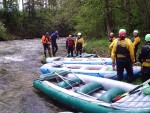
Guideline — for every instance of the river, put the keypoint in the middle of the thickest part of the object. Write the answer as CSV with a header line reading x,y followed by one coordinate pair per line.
x,y
20,61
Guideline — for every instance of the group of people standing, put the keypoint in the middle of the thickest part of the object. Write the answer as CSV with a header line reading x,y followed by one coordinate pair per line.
x,y
123,54
123,51
75,46
50,39
71,45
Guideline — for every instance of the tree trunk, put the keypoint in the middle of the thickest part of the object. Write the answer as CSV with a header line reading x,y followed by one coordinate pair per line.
x,y
107,17
128,15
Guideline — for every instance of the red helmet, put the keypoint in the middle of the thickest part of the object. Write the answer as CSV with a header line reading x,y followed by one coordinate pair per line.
x,y
122,35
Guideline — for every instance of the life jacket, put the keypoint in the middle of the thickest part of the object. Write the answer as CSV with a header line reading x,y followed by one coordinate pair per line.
x,y
79,43
45,40
146,60
122,53
70,42
53,37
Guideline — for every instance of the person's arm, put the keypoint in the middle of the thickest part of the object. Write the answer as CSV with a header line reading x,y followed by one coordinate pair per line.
x,y
131,50
43,39
73,44
66,44
82,42
76,41
58,37
111,45
136,41
113,54
50,38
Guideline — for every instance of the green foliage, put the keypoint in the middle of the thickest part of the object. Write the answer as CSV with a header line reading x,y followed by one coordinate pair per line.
x,y
93,18
64,20
90,18
98,46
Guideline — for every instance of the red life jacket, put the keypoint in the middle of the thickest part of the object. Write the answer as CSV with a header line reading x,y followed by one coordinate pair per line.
x,y
70,42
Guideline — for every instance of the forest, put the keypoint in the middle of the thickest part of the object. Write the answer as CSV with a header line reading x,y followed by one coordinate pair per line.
x,y
93,18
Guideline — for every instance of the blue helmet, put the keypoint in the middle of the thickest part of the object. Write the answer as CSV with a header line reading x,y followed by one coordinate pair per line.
x,y
56,32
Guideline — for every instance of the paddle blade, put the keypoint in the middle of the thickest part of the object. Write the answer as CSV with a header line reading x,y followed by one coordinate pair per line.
x,y
119,97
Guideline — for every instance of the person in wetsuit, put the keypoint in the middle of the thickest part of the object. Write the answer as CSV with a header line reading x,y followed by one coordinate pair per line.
x,y
79,44
123,53
54,37
70,45
144,58
136,41
46,44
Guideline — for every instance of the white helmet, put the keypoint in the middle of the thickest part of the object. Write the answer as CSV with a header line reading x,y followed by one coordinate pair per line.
x,y
122,30
79,33
135,31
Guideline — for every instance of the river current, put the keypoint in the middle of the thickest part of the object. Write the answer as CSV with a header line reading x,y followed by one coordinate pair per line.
x,y
20,61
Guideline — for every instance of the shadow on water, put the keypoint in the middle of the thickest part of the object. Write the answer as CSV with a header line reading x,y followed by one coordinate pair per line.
x,y
20,63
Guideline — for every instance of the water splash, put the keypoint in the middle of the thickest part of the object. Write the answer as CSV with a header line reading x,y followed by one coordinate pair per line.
x,y
14,58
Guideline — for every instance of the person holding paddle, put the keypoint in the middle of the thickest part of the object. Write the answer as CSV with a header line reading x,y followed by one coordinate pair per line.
x,y
144,58
123,53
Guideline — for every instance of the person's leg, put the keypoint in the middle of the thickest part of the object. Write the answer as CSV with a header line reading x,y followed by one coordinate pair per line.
x,y
53,49
71,50
129,69
80,52
56,48
135,56
68,51
145,73
120,69
77,51
49,50
44,46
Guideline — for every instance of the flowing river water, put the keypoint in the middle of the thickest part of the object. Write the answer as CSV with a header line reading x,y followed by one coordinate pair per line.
x,y
20,61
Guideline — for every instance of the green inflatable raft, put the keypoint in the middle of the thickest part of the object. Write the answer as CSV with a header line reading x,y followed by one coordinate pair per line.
x,y
89,94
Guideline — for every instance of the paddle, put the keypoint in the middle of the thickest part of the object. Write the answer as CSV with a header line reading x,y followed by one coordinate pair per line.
x,y
63,79
67,78
78,77
130,92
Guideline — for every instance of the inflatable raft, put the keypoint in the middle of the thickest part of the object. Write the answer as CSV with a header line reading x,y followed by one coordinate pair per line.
x,y
89,94
105,71
77,60
84,55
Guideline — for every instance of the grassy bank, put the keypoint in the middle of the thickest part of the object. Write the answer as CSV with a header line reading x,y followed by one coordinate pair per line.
x,y
98,46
